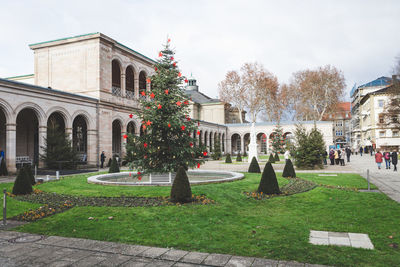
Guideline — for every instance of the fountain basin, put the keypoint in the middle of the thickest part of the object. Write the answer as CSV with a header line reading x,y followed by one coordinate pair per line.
x,y
195,177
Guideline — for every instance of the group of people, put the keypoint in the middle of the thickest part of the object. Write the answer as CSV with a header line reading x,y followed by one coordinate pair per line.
x,y
388,157
337,156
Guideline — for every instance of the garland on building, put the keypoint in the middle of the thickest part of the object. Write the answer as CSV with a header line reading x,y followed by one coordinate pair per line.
x,y
277,140
169,133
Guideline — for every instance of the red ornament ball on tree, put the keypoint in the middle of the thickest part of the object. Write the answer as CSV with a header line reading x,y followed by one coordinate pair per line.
x,y
198,165
131,116
172,58
155,68
186,80
198,132
183,127
205,153
152,95
145,145
191,144
174,64
169,125
125,136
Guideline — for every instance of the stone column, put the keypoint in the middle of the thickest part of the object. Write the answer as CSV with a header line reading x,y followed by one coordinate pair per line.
x,y
228,145
123,85
123,143
42,137
10,153
92,157
241,144
136,87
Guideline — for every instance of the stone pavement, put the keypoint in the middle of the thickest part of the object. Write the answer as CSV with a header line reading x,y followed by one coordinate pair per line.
x,y
355,240
21,249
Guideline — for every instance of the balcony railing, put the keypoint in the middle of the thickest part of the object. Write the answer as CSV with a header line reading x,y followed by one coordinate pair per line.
x,y
130,94
116,91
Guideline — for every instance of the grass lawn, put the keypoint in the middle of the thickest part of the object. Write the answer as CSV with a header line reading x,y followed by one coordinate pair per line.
x,y
276,228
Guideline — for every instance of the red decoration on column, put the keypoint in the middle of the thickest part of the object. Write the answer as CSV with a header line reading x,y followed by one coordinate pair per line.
x,y
178,103
166,92
125,136
198,132
143,93
183,127
148,80
160,54
159,106
205,153
145,145
152,95
131,116
179,74
198,165
186,80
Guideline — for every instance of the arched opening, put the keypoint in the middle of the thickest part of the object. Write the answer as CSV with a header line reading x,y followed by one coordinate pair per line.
x,y
223,143
205,139
195,138
27,143
131,128
262,143
289,138
201,138
246,140
3,122
271,136
236,143
211,142
142,83
116,137
129,83
116,78
56,121
79,135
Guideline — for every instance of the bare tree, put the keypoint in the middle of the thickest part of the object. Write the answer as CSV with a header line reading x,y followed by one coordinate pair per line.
x,y
316,91
232,90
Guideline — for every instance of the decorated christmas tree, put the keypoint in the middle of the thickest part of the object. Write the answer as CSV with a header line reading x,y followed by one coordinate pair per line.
x,y
277,140
168,140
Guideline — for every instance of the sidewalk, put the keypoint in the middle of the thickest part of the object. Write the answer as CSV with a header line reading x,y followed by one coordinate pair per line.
x,y
21,249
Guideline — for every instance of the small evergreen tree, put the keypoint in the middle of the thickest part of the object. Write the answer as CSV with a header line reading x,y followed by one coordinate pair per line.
x,y
228,158
289,171
278,140
217,149
277,159
132,146
3,167
29,172
180,190
269,183
114,167
109,162
245,153
254,167
271,158
22,184
58,148
239,157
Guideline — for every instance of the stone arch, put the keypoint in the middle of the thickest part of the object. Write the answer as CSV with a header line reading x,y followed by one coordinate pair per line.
x,y
116,137
3,129
236,143
86,116
131,127
56,119
7,110
41,115
27,134
116,75
63,112
80,134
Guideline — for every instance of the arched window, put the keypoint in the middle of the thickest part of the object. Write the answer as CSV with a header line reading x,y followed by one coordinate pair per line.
x,y
116,78
129,81
142,83
131,128
116,138
79,134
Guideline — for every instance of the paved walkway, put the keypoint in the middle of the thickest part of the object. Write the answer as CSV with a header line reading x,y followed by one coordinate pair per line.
x,y
21,249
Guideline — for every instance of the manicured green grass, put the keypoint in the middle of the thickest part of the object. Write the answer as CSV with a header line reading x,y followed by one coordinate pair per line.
x,y
342,179
15,207
276,228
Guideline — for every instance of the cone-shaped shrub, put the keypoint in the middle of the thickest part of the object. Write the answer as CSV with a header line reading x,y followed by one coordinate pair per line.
x,y
180,191
109,163
244,153
239,157
22,184
254,167
228,158
114,166
31,177
271,158
288,171
3,167
277,159
268,184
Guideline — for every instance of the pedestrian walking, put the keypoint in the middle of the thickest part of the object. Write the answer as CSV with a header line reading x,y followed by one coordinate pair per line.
x,y
336,157
378,159
342,155
386,156
102,159
332,156
361,151
348,153
394,160
325,155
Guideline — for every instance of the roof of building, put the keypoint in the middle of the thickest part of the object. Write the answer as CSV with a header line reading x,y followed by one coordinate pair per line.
x,y
200,98
88,34
266,123
381,81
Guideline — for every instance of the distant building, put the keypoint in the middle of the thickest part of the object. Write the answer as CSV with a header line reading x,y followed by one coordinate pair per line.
x,y
341,130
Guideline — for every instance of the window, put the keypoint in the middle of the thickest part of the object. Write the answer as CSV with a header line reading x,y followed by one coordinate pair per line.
x,y
395,134
381,119
380,103
339,123
382,134
339,133
347,115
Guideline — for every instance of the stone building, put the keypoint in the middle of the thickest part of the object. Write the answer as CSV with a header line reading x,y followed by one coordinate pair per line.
x,y
89,85
341,130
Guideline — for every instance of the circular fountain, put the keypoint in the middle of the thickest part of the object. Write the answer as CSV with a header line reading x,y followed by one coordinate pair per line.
x,y
133,179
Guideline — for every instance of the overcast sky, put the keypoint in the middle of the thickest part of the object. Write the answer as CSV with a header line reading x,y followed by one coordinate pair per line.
x,y
361,38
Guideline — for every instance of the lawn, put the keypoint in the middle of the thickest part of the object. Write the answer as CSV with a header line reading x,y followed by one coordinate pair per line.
x,y
276,228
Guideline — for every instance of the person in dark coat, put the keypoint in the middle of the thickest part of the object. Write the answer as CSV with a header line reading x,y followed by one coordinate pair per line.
x,y
324,157
348,153
102,159
332,156
394,160
361,151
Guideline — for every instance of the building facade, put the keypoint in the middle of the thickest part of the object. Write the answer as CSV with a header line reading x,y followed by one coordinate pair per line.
x,y
341,127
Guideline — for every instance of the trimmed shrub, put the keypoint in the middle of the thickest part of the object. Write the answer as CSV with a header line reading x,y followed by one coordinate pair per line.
x,y
277,159
22,184
269,183
239,157
271,158
254,167
3,167
180,190
228,158
245,154
109,162
28,169
114,167
288,171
